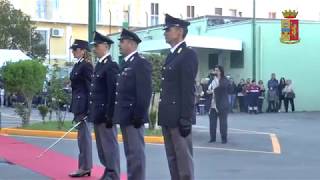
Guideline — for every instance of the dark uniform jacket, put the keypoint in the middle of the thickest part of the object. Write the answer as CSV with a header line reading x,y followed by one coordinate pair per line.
x,y
178,87
80,77
134,89
102,92
221,95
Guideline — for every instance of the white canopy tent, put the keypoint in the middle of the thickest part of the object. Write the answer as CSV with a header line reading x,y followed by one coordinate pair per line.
x,y
12,55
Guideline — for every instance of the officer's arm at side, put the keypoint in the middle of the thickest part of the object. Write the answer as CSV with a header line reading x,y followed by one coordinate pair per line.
x,y
143,88
87,72
188,72
111,79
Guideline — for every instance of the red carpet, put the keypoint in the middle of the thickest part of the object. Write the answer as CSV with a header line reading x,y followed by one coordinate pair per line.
x,y
53,164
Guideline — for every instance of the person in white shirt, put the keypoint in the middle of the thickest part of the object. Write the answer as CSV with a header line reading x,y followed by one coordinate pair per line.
x,y
1,97
219,105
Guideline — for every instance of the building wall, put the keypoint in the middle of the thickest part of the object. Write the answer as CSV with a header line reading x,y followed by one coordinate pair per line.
x,y
298,62
59,46
242,31
68,10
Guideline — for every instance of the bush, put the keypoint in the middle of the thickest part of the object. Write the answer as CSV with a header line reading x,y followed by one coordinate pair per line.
x,y
26,78
43,110
22,111
153,119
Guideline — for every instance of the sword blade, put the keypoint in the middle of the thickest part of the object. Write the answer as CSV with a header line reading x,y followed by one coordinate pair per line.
x,y
57,141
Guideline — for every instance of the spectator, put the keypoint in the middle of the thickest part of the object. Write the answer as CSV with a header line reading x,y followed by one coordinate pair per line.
x,y
272,97
198,94
273,86
281,86
207,97
289,95
246,97
2,97
261,96
219,105
241,90
211,76
253,92
273,82
232,93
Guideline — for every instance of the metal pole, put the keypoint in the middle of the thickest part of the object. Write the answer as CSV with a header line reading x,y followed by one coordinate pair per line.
x,y
128,16
70,42
147,19
110,19
92,19
49,47
254,41
56,142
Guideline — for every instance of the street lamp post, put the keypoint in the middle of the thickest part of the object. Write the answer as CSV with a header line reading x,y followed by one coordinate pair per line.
x,y
92,19
110,19
254,41
49,46
147,19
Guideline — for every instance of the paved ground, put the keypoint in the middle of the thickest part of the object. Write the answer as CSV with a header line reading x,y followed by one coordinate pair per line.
x,y
10,119
248,155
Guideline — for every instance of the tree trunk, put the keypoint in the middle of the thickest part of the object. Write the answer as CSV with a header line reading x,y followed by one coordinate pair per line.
x,y
50,115
151,113
60,119
26,120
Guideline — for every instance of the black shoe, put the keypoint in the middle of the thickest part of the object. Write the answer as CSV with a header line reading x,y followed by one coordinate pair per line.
x,y
212,141
80,173
224,141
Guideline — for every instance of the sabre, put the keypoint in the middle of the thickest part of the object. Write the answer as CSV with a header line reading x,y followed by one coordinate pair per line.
x,y
57,141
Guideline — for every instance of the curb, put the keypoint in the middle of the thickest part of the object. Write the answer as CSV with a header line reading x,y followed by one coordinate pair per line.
x,y
71,135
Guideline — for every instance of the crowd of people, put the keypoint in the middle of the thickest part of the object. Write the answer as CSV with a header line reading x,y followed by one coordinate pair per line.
x,y
249,96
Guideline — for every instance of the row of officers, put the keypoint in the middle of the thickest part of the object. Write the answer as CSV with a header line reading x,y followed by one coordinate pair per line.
x,y
106,95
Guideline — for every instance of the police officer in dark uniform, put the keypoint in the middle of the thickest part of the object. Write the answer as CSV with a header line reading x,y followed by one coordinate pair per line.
x,y
132,103
101,103
80,83
176,107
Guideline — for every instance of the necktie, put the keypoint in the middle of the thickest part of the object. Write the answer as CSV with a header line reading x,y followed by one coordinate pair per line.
x,y
169,57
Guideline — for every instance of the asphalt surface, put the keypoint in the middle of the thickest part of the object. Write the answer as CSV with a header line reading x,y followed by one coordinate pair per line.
x,y
10,119
249,153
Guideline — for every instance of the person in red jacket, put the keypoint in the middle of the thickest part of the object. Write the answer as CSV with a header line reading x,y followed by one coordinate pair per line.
x,y
253,92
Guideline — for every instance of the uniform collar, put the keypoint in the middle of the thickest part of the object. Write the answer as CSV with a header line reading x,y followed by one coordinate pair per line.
x,y
79,60
129,56
103,57
176,46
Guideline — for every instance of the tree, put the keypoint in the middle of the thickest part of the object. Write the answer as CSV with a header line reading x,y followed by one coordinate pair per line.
x,y
58,96
157,62
17,31
43,111
38,49
25,78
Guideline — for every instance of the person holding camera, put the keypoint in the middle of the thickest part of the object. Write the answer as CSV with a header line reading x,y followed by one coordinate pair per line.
x,y
219,105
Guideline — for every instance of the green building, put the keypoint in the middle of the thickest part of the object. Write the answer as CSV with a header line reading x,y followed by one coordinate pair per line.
x,y
230,43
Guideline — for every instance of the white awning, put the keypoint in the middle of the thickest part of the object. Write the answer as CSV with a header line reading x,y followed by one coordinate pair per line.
x,y
195,41
12,55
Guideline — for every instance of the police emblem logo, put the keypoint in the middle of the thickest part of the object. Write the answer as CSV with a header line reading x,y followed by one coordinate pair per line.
x,y
290,27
